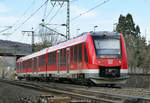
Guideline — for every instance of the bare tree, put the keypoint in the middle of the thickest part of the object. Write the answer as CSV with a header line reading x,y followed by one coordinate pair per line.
x,y
48,37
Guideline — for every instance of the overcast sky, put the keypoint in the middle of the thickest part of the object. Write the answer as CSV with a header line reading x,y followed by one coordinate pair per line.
x,y
15,13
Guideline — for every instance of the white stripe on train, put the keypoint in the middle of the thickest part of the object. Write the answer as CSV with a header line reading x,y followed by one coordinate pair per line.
x,y
72,71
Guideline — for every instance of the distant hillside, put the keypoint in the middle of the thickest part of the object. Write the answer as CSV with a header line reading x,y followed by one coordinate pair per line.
x,y
14,47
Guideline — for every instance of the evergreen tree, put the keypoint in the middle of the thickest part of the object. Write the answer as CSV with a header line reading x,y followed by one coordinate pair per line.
x,y
130,29
137,30
126,25
121,26
135,43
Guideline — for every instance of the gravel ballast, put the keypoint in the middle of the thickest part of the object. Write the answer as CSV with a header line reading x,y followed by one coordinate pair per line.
x,y
13,94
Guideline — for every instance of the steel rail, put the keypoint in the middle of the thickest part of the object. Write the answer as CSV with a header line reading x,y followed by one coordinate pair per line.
x,y
86,94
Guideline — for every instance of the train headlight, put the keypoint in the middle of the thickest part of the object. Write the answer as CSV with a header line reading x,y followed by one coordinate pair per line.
x,y
99,61
120,62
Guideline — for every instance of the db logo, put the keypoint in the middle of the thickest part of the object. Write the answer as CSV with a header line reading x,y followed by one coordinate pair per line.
x,y
110,61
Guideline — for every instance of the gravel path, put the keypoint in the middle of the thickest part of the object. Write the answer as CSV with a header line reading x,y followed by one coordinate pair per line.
x,y
12,94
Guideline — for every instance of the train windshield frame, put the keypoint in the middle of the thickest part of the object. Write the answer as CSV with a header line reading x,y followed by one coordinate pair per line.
x,y
107,47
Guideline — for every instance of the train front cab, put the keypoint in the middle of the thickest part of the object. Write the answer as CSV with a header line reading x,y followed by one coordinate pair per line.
x,y
107,53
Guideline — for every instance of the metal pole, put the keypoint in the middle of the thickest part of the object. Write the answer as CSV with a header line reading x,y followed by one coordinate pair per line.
x,y
68,17
33,41
32,38
95,28
68,20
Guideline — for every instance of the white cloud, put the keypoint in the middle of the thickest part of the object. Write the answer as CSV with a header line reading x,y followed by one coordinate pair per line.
x,y
3,8
7,20
75,11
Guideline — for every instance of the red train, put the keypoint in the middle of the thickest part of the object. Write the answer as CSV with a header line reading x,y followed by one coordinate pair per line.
x,y
99,57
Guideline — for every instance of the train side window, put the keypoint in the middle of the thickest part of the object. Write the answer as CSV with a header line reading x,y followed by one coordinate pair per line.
x,y
43,61
29,63
54,58
61,57
64,56
48,58
51,58
24,64
19,67
85,54
80,53
35,63
39,61
72,55
36,67
75,53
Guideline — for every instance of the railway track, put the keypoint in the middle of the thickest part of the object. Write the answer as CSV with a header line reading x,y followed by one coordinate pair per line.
x,y
92,94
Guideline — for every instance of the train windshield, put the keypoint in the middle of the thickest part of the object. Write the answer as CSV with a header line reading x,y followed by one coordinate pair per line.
x,y
108,47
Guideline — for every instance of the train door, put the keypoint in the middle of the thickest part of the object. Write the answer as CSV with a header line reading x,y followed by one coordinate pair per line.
x,y
58,61
35,65
68,60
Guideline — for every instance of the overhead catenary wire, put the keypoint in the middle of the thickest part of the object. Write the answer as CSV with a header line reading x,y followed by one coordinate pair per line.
x,y
55,14
45,10
90,9
56,11
25,12
49,12
30,16
6,29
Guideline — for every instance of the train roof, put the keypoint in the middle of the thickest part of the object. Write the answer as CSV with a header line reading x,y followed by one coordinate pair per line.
x,y
38,53
107,33
69,43
64,44
77,40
